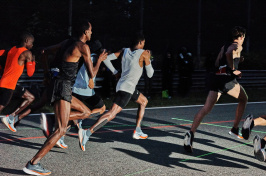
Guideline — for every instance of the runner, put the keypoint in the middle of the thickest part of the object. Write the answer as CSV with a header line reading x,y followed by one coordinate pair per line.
x,y
82,92
224,82
132,68
62,98
259,143
17,57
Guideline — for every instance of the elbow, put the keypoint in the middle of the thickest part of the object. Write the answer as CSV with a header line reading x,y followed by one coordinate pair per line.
x,y
30,74
150,75
30,68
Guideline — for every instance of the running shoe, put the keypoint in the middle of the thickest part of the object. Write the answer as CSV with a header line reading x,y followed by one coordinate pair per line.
x,y
61,144
188,140
247,126
47,125
83,139
79,124
258,151
9,121
35,169
139,135
236,133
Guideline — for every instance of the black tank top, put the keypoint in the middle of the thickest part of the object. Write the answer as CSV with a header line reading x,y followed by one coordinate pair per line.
x,y
223,61
68,71
60,53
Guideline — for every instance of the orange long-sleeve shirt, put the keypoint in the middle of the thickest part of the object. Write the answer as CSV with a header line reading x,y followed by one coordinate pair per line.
x,y
12,70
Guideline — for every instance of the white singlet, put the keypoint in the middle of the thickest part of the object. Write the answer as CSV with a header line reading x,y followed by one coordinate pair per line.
x,y
131,71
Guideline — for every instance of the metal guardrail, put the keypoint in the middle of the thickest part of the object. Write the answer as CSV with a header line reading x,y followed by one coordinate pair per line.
x,y
250,79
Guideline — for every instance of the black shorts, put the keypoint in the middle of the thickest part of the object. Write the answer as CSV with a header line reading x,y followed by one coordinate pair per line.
x,y
93,102
7,94
222,83
19,91
122,98
61,90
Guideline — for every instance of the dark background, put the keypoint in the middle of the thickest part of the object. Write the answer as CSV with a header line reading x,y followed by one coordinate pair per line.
x,y
166,24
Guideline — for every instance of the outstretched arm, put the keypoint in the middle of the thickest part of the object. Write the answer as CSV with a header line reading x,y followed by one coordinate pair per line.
x,y
53,48
108,62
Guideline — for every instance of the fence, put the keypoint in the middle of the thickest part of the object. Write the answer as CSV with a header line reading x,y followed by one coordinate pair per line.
x,y
250,79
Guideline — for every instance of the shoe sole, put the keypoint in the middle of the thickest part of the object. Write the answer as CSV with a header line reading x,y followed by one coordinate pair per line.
x,y
81,139
44,125
31,172
7,124
60,146
139,137
237,136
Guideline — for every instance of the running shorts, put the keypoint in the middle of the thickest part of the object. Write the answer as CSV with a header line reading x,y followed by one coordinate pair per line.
x,y
61,90
93,102
7,94
222,83
122,98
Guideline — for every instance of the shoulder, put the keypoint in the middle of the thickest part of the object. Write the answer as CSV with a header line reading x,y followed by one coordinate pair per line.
x,y
232,47
145,53
82,45
27,53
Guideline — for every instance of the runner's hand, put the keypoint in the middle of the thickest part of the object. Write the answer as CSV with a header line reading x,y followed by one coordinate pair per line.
x,y
91,84
103,55
237,73
117,76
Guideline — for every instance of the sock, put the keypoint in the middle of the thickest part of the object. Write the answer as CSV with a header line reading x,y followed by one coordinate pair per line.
x,y
138,130
192,136
263,142
88,132
16,119
11,117
235,130
252,125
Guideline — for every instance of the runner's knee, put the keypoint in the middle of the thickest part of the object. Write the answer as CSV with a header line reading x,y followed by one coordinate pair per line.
x,y
62,130
30,97
144,102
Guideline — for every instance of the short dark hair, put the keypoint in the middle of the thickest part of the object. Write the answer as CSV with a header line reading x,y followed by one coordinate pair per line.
x,y
96,47
24,36
238,31
81,26
136,38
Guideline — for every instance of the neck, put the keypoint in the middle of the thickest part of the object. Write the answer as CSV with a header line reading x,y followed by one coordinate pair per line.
x,y
21,45
83,39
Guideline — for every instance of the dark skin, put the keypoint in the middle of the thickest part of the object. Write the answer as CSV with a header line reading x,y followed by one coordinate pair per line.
x,y
24,57
62,108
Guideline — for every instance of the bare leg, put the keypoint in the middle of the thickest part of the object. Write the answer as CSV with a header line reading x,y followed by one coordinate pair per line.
x,y
36,106
81,110
142,101
110,115
1,108
239,93
29,98
212,98
260,121
62,112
